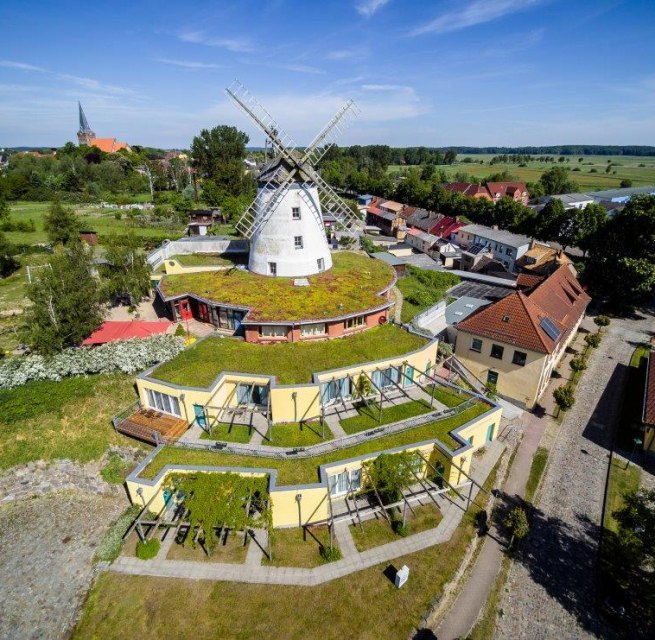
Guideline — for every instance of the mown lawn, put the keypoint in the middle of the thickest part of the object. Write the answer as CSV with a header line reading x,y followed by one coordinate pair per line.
x,y
298,547
297,434
228,432
210,259
305,470
66,419
289,362
422,288
365,605
537,467
369,415
622,479
352,284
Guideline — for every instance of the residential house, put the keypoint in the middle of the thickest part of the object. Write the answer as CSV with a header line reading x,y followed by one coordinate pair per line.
x,y
470,189
447,228
517,191
507,247
201,220
420,240
424,220
389,223
570,200
515,344
622,196
543,259
447,253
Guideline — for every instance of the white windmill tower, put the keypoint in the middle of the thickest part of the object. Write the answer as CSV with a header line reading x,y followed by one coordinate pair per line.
x,y
284,223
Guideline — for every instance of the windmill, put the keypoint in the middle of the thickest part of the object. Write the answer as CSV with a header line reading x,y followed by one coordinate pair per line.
x,y
284,223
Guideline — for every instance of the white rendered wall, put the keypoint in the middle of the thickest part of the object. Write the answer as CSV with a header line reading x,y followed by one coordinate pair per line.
x,y
274,241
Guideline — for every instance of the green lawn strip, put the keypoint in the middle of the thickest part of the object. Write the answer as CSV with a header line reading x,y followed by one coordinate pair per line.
x,y
378,531
289,362
351,285
228,432
210,259
297,434
422,288
447,396
537,467
369,415
298,547
366,601
230,549
66,419
621,480
116,470
640,352
305,470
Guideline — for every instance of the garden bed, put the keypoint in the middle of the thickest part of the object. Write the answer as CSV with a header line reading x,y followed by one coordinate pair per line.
x,y
369,415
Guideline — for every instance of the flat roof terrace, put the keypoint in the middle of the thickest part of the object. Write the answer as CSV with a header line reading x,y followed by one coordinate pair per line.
x,y
354,283
290,362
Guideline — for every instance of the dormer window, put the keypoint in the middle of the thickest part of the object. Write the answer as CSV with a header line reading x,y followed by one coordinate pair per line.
x,y
505,318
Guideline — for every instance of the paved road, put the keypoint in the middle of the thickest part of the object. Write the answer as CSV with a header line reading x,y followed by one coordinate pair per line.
x,y
550,591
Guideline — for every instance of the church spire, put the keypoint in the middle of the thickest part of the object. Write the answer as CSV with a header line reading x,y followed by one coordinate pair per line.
x,y
84,135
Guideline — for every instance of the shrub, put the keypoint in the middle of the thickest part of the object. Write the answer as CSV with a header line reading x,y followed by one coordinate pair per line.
x,y
110,547
491,390
564,397
330,554
180,332
592,339
116,470
398,527
118,215
578,364
148,549
128,356
601,321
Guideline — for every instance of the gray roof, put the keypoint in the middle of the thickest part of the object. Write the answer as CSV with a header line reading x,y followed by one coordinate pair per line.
x,y
462,308
571,198
609,194
389,258
497,235
423,219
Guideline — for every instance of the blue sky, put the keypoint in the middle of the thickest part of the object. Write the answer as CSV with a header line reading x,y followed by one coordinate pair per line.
x,y
423,72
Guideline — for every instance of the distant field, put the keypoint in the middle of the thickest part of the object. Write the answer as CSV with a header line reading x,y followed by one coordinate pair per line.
x,y
626,167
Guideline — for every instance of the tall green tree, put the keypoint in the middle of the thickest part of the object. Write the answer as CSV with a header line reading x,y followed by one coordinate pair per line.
x,y
66,301
4,207
61,224
8,263
128,271
557,180
588,223
553,222
509,214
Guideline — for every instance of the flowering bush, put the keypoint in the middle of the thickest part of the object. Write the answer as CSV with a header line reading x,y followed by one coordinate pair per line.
x,y
128,356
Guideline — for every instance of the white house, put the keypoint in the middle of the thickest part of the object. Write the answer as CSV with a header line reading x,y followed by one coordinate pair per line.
x,y
507,247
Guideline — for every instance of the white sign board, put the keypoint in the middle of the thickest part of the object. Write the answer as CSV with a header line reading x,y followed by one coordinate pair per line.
x,y
401,576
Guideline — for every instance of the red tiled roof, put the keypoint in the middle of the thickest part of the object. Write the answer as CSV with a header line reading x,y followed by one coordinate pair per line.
x,y
374,210
108,145
528,281
649,393
503,188
517,319
467,188
113,330
445,227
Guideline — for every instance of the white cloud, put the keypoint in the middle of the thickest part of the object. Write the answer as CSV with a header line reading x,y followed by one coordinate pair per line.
x,y
189,64
369,7
386,87
21,66
236,45
474,12
347,54
95,85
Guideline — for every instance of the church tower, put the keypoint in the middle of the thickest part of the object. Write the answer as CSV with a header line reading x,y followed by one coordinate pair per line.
x,y
84,135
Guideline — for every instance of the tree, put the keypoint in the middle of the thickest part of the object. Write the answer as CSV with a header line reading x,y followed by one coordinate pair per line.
x,y
391,474
128,271
554,222
626,184
4,208
517,523
636,520
557,180
601,321
564,396
65,300
588,223
61,224
8,264
509,214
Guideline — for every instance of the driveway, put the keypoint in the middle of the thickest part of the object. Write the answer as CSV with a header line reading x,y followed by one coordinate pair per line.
x,y
550,591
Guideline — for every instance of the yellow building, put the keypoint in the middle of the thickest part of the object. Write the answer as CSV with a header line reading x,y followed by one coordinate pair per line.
x,y
514,344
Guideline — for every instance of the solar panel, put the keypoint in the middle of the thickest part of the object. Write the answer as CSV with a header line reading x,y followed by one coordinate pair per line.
x,y
548,326
474,249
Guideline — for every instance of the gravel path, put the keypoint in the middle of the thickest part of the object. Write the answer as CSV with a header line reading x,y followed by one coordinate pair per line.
x,y
46,551
550,591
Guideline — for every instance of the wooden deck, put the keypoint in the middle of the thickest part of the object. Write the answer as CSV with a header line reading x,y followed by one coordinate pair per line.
x,y
152,426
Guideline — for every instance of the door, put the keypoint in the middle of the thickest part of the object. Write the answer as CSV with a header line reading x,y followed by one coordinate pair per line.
x,y
201,419
203,312
408,378
185,310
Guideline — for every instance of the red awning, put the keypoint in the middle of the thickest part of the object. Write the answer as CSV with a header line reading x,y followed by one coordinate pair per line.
x,y
114,330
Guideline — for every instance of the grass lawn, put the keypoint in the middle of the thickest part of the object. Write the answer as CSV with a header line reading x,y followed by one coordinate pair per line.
x,y
422,288
289,362
448,396
230,548
66,419
622,480
352,284
366,603
641,352
378,531
539,461
210,259
369,416
229,432
298,547
297,434
305,470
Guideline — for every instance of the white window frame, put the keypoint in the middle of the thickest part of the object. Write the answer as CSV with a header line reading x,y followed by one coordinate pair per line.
x,y
472,347
320,263
340,483
315,329
164,402
354,323
297,242
273,330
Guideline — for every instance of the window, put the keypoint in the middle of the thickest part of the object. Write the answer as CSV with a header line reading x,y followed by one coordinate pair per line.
x,y
320,263
297,242
273,331
492,377
317,329
519,358
508,252
164,402
497,351
345,481
476,345
272,268
353,323
295,213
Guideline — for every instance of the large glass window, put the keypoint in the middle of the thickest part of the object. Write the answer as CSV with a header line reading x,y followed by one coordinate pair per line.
x,y
353,323
273,331
317,329
335,390
163,402
342,482
252,394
